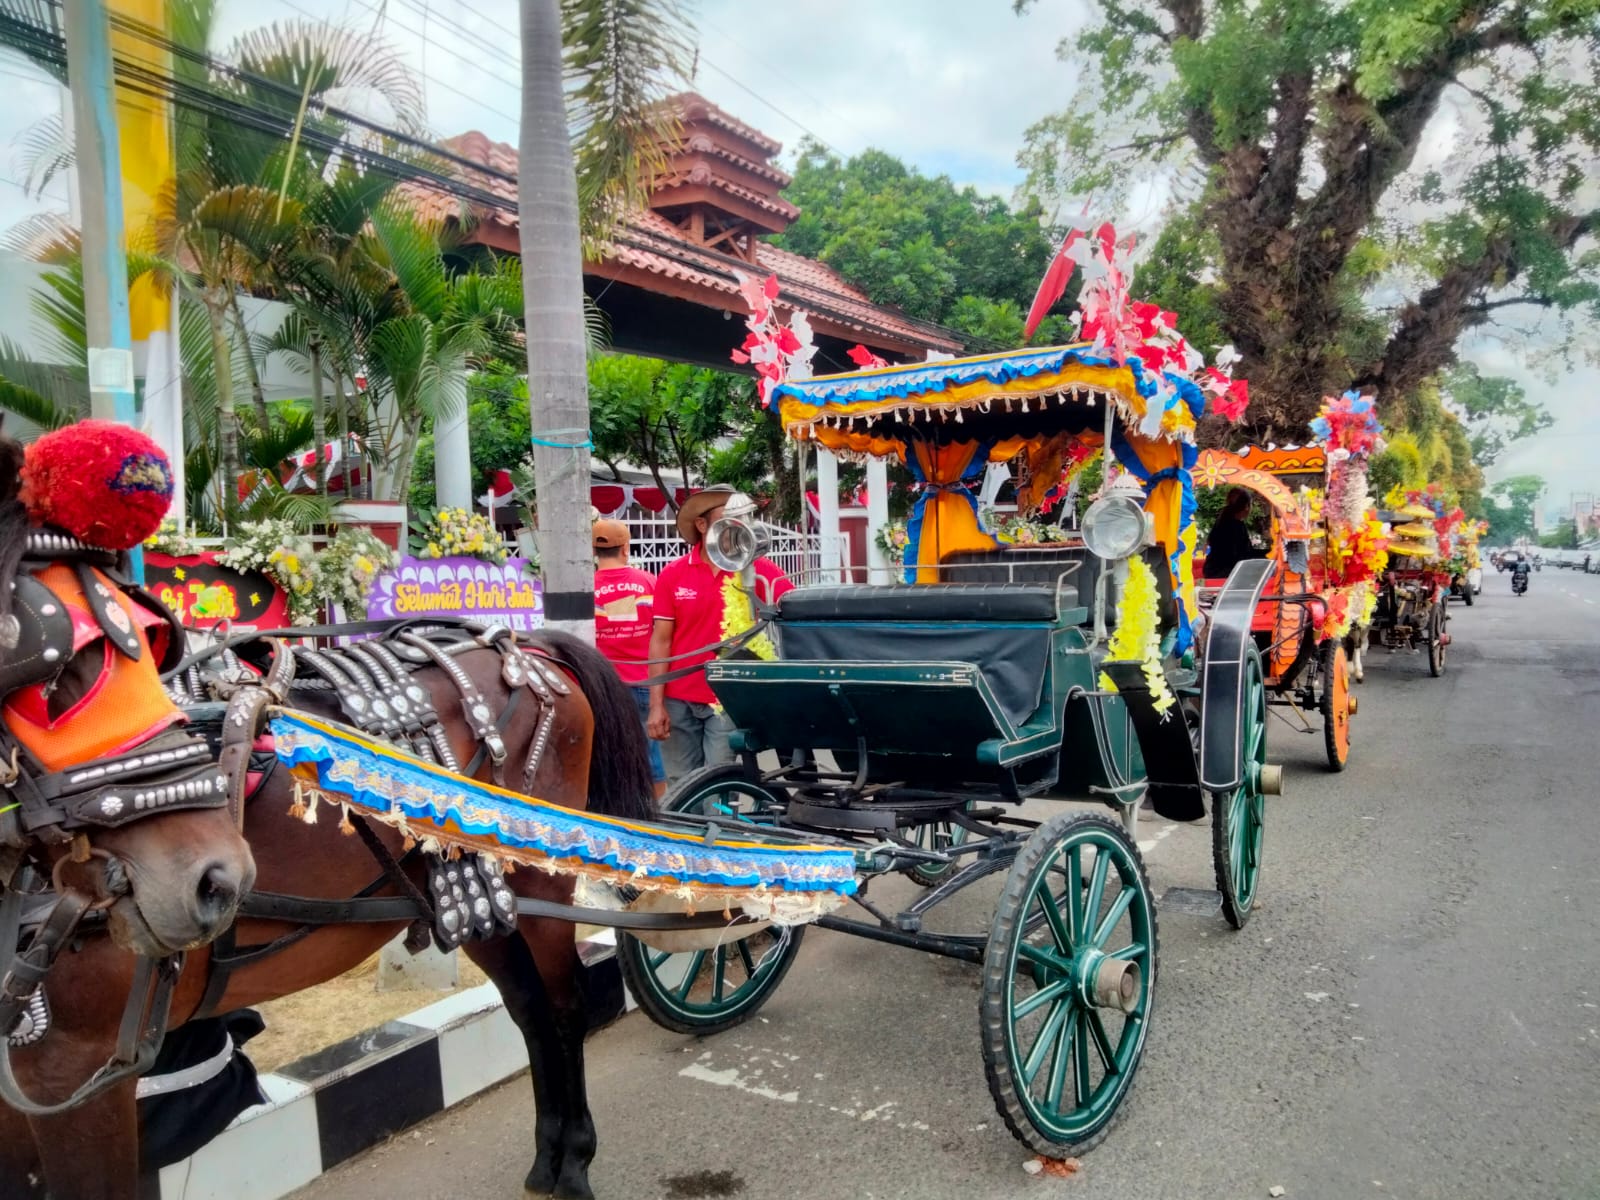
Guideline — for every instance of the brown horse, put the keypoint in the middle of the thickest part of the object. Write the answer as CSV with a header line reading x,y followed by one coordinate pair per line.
x,y
595,757
168,881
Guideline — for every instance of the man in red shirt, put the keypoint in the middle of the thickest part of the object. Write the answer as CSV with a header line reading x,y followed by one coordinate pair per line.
x,y
688,617
623,600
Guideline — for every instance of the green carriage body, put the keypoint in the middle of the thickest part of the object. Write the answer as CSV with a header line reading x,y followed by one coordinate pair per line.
x,y
977,689
915,719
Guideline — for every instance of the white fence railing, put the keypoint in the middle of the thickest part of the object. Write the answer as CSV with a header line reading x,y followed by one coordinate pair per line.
x,y
654,542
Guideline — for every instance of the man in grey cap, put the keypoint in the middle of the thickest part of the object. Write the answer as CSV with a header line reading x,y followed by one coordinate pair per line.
x,y
688,616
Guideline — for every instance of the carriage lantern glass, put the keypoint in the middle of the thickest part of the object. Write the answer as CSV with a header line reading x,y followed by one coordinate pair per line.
x,y
1116,525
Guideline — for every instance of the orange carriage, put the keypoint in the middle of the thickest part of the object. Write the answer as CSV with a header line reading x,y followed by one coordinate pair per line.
x,y
1305,665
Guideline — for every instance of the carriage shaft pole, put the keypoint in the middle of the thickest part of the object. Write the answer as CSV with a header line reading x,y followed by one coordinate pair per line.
x,y
967,949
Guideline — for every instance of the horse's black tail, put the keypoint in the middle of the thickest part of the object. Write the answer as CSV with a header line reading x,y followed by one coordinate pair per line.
x,y
619,760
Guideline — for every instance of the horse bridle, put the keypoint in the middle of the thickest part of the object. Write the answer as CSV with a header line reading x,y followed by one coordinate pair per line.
x,y
44,809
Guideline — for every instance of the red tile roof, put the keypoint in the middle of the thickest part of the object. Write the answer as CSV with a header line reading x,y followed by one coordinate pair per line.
x,y
692,107
702,178
699,143
649,242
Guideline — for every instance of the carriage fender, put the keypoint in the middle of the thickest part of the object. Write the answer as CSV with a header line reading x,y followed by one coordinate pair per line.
x,y
1228,647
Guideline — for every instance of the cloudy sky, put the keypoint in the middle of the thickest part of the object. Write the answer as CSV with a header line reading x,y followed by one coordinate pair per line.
x,y
947,85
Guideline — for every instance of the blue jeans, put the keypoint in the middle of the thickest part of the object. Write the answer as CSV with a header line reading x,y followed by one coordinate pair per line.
x,y
641,700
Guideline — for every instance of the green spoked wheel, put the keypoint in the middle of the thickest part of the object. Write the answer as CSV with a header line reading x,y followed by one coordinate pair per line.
x,y
709,989
936,835
1068,983
1238,817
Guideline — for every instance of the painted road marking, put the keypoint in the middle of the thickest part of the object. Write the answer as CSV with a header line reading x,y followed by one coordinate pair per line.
x,y
1148,844
857,1108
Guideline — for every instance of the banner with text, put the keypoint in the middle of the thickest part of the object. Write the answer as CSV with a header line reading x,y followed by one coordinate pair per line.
x,y
204,593
502,593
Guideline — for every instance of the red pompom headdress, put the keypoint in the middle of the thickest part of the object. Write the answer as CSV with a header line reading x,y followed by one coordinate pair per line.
x,y
106,484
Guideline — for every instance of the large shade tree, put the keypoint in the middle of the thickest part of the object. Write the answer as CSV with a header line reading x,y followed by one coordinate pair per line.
x,y
1298,124
939,252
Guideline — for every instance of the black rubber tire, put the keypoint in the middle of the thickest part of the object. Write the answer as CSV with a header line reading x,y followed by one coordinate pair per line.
x,y
1329,661
634,957
994,1029
933,874
1236,910
1436,643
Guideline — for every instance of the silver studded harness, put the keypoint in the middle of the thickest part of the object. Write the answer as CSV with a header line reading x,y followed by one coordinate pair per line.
x,y
375,686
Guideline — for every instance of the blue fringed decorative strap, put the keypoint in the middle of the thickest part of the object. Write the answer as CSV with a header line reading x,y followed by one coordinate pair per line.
x,y
429,801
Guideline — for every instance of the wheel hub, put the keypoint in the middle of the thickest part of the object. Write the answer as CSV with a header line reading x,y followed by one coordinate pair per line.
x,y
1104,982
1264,779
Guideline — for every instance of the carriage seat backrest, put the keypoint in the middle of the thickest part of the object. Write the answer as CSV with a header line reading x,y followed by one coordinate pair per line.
x,y
1036,568
1004,631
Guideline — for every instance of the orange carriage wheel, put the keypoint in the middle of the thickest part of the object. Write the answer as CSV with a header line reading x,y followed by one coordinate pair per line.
x,y
1335,703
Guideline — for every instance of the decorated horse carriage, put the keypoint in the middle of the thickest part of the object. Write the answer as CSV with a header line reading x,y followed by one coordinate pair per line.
x,y
1412,611
928,714
904,730
1466,580
1304,616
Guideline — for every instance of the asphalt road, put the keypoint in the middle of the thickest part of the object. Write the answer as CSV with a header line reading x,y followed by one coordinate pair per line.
x,y
1413,1011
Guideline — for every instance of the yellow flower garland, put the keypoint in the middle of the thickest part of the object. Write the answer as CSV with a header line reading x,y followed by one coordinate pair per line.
x,y
1135,637
738,615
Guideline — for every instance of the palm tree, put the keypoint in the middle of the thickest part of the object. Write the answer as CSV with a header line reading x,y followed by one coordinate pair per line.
x,y
447,325
592,72
53,391
241,194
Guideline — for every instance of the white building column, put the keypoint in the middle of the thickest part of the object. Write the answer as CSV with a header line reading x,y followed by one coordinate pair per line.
x,y
163,405
828,513
452,451
877,518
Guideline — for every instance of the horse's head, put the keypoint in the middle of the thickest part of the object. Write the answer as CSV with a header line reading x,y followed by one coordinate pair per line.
x,y
103,788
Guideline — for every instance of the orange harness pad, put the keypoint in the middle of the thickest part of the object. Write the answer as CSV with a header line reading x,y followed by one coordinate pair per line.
x,y
124,706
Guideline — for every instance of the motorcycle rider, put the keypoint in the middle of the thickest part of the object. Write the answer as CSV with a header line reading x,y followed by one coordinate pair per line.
x,y
1519,574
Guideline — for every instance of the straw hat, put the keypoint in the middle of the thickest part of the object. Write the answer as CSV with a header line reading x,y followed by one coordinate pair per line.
x,y
698,505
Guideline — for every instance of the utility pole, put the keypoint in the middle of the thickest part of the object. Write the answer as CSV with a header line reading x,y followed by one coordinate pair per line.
x,y
105,267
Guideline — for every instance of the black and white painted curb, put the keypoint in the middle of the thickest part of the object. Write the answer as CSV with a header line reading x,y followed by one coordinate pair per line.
x,y
330,1106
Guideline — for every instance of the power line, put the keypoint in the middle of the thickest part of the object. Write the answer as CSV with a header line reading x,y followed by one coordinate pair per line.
x,y
490,48
505,116
783,75
513,36
744,87
141,79
459,56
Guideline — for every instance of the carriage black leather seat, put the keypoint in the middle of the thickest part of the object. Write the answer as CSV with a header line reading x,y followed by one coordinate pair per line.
x,y
1035,568
920,602
1002,630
